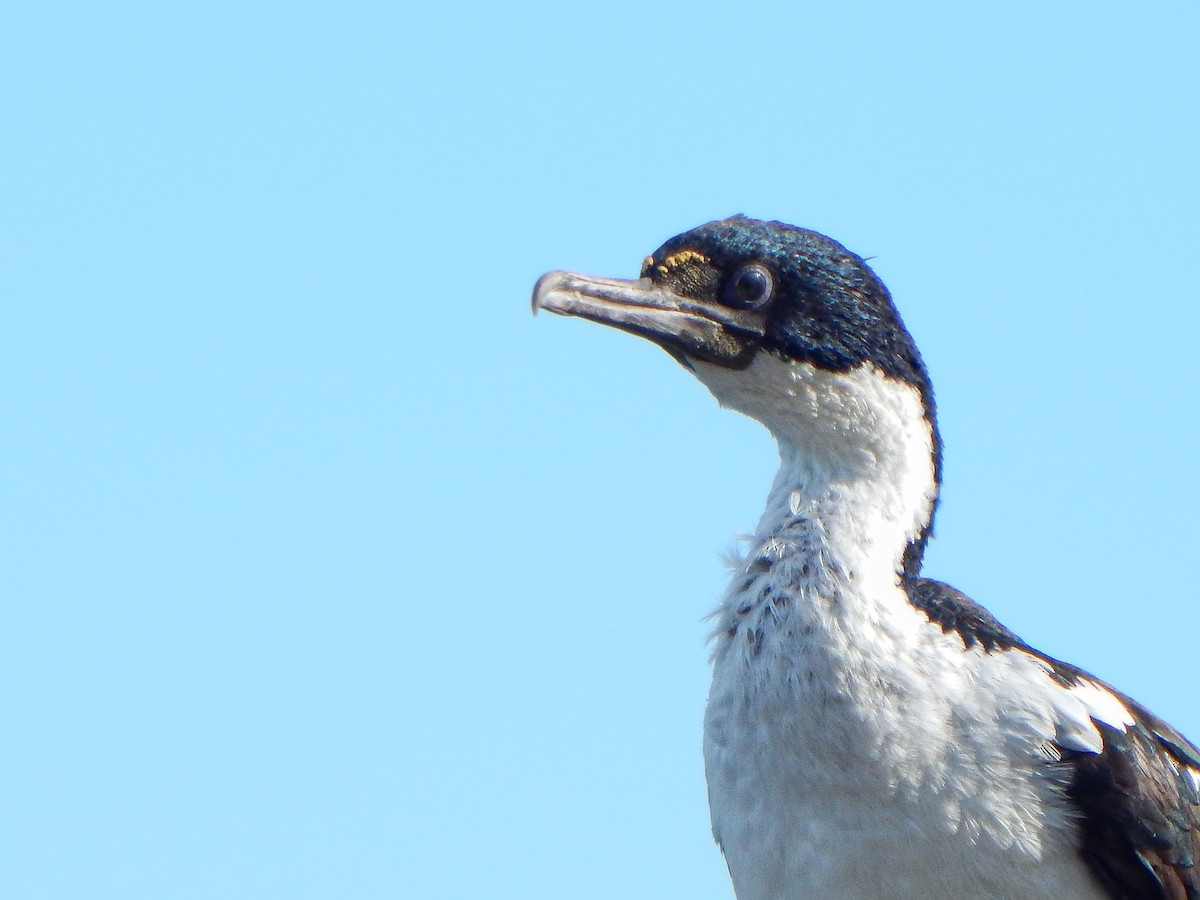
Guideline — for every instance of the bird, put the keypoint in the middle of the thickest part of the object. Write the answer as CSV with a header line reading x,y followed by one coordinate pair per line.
x,y
871,732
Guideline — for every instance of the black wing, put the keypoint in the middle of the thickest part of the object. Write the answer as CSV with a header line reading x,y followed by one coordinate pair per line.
x,y
1138,797
1140,804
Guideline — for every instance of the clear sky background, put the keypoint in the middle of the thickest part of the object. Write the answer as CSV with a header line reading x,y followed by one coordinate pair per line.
x,y
328,572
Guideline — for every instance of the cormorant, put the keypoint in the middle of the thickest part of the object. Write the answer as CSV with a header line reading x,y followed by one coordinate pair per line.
x,y
872,733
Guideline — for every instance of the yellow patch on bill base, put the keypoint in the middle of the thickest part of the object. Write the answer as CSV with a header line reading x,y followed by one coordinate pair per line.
x,y
683,257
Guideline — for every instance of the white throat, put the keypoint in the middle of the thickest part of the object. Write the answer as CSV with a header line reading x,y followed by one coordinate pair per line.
x,y
856,455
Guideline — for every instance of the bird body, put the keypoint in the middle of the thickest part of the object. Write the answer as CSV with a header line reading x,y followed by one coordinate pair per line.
x,y
844,728
872,733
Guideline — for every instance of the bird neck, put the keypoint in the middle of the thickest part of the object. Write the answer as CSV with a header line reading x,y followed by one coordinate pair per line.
x,y
859,457
857,522
830,552
821,588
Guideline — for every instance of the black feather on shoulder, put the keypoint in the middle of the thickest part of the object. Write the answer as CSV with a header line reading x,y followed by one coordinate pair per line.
x,y
955,611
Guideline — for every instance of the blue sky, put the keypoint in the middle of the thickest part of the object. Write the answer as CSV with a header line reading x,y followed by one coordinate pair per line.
x,y
330,572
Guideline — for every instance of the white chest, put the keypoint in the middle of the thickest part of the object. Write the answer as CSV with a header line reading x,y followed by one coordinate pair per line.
x,y
854,750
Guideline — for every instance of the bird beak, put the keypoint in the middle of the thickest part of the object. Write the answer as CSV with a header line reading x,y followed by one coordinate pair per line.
x,y
685,327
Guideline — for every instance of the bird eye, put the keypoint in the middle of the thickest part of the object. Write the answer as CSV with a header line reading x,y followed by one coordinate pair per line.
x,y
750,286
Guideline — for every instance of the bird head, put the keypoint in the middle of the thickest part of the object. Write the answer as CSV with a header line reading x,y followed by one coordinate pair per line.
x,y
789,327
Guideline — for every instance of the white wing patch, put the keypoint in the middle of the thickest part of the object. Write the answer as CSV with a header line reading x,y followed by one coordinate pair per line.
x,y
1102,705
1079,707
